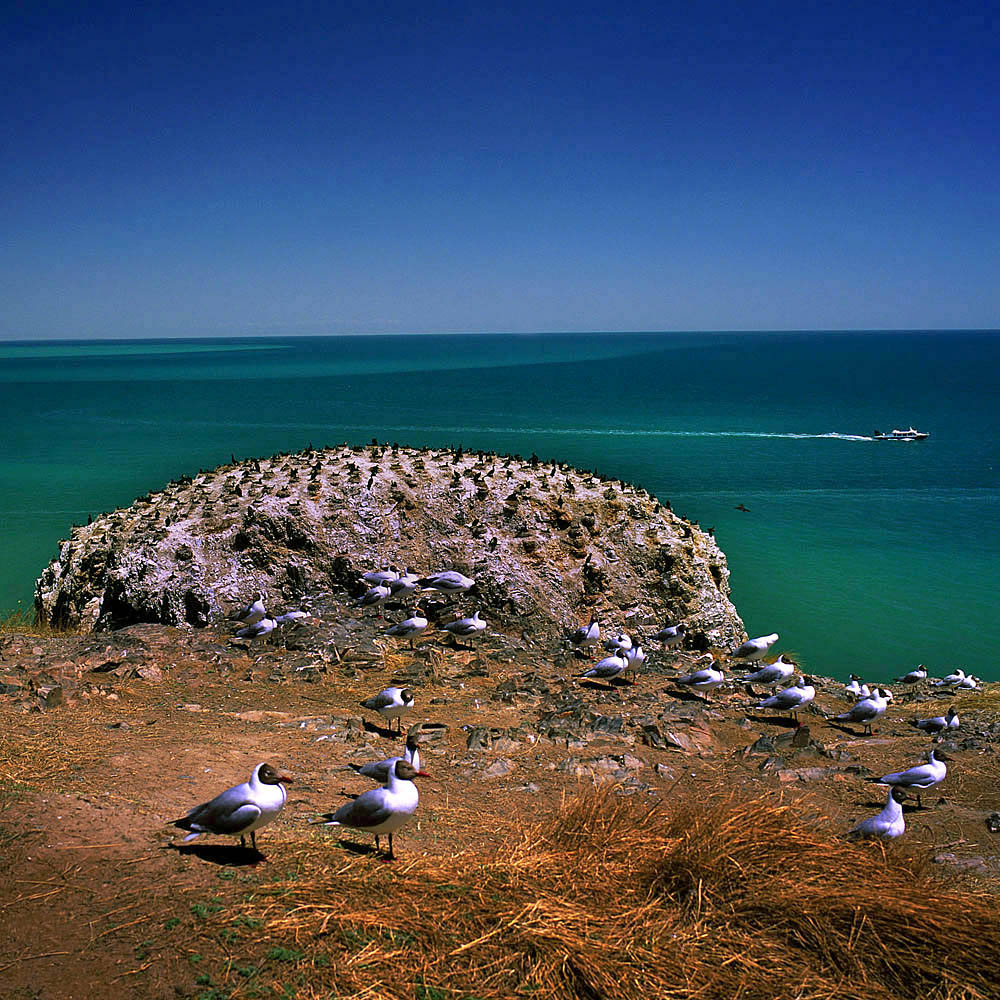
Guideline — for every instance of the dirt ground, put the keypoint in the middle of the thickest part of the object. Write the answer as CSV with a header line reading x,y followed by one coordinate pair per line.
x,y
99,898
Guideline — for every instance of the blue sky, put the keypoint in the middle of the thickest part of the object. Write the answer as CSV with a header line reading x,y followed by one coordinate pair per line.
x,y
200,169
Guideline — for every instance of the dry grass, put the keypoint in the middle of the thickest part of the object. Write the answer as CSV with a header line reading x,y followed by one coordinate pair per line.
x,y
618,897
22,621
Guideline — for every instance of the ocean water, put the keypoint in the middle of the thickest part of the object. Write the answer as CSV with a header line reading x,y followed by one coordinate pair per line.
x,y
865,556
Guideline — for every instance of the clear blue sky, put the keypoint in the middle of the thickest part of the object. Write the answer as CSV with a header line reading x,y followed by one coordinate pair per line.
x,y
183,169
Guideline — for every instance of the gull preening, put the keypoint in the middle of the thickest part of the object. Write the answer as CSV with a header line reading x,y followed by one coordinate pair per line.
x,y
889,822
937,723
791,699
241,809
921,776
754,649
382,810
392,703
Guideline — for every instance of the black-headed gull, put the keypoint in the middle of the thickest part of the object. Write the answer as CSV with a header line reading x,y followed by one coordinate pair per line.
x,y
888,823
791,699
938,723
607,669
382,810
586,635
407,583
754,649
705,680
914,676
258,630
865,711
392,703
448,582
670,635
253,612
621,642
466,628
378,770
374,598
375,577
920,777
952,680
410,627
772,673
241,809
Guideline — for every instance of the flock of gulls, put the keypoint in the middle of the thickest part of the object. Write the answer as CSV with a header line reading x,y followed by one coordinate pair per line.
x,y
243,809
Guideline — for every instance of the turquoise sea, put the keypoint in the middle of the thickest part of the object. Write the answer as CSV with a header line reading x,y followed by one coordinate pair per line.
x,y
864,556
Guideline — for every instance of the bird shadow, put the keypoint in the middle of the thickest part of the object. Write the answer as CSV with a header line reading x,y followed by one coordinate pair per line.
x,y
683,694
774,720
612,685
847,729
227,855
353,847
384,731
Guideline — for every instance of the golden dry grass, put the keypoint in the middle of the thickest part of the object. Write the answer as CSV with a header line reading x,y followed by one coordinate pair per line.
x,y
618,897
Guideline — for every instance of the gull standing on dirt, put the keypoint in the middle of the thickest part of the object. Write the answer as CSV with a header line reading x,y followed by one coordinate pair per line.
x,y
378,770
410,627
921,776
375,577
374,598
382,810
780,670
670,636
607,669
258,630
865,711
253,612
586,635
466,628
392,703
241,809
754,649
447,582
853,687
791,699
635,657
914,676
888,823
403,587
938,723
621,642
706,680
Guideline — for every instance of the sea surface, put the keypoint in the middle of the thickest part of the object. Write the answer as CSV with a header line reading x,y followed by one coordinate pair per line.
x,y
865,556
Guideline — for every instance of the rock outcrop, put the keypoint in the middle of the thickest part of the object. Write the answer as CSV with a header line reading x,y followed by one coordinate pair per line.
x,y
547,544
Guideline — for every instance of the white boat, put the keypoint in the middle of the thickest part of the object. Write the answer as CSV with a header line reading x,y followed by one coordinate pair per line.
x,y
897,435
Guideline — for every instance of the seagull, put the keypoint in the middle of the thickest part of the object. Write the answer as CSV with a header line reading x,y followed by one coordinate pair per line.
x,y
586,635
620,642
915,675
952,680
258,630
939,723
866,711
379,770
705,680
375,577
382,810
791,699
670,636
253,612
888,823
409,628
466,628
392,703
780,670
374,598
754,649
920,777
607,669
405,585
854,686
290,616
635,657
241,809
969,682
448,582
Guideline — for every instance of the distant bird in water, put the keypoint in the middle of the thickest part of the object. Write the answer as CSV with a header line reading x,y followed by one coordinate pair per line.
x,y
888,823
739,506
241,809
